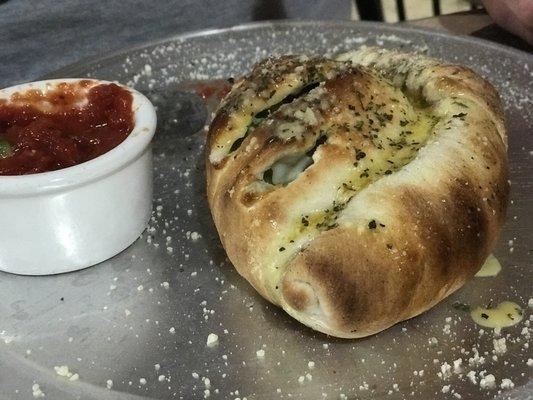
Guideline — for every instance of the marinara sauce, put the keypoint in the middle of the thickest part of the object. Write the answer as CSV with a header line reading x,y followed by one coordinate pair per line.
x,y
66,126
211,92
215,89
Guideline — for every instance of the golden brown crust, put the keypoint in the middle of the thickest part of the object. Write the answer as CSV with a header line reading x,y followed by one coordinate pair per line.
x,y
368,198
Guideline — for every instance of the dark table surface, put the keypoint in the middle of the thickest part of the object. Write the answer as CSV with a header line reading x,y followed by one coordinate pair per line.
x,y
38,37
41,36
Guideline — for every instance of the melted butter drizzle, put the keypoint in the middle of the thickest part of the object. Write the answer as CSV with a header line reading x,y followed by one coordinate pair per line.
x,y
504,315
491,267
394,150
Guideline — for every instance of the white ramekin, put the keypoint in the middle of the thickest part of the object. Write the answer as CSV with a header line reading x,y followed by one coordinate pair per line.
x,y
73,218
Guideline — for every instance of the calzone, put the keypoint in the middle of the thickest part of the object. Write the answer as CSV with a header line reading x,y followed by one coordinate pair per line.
x,y
360,191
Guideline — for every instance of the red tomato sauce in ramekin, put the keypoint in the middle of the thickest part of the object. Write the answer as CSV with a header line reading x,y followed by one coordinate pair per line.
x,y
68,125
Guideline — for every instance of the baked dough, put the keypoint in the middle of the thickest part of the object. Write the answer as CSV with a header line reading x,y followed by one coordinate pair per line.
x,y
358,192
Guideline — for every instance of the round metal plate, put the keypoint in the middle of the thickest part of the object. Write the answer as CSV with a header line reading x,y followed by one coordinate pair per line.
x,y
141,319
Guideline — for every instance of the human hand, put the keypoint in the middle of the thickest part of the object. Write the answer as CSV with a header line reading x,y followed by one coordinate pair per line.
x,y
515,16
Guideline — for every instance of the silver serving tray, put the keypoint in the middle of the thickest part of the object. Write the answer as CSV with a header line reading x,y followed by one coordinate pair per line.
x,y
117,320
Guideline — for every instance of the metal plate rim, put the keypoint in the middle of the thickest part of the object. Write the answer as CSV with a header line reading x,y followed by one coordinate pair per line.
x,y
87,61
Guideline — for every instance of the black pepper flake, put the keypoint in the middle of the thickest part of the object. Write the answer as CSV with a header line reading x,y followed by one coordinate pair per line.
x,y
372,224
460,104
460,115
359,155
388,172
510,316
389,246
484,316
351,107
305,221
282,249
